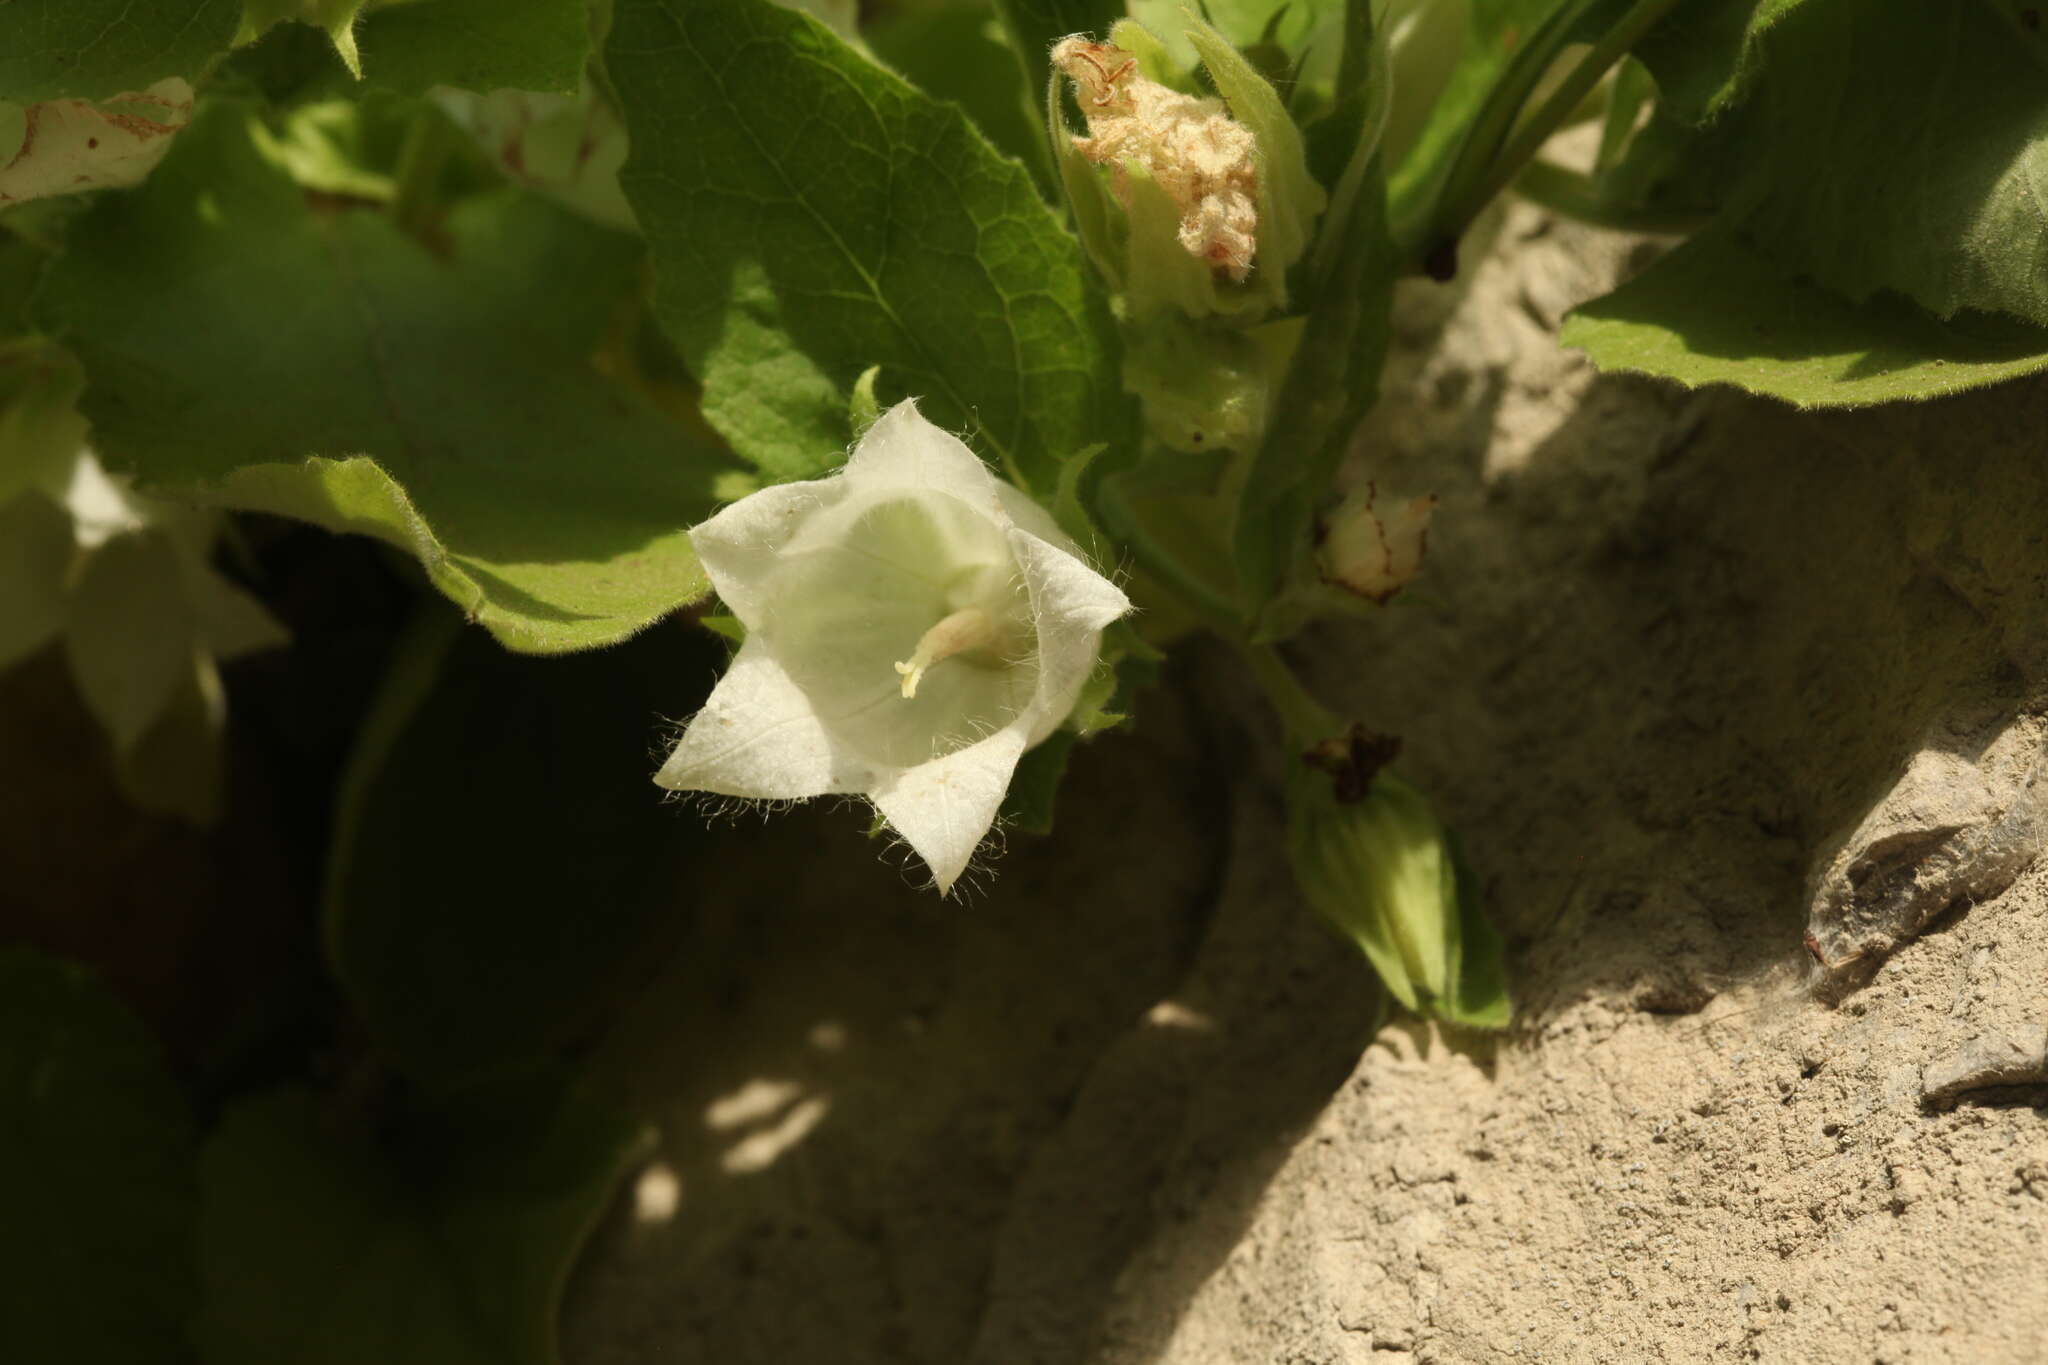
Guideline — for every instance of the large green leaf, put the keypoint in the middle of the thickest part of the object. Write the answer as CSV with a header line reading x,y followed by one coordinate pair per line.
x,y
96,1176
249,345
502,854
951,51
810,215
90,49
1704,52
480,45
1902,147
441,1245
1717,311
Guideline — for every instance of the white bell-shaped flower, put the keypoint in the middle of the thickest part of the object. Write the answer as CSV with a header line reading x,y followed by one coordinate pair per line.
x,y
914,625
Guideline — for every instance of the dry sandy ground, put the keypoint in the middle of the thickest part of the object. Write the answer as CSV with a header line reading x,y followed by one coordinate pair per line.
x,y
1127,1105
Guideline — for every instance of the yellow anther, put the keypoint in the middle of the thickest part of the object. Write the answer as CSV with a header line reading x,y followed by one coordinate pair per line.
x,y
968,628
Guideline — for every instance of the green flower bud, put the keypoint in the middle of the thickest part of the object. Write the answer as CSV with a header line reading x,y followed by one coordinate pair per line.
x,y
1202,388
1374,860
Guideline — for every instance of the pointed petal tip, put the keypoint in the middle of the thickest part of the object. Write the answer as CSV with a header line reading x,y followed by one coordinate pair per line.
x,y
945,808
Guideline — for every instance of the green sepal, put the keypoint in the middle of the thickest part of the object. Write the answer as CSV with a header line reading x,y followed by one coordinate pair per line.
x,y
1290,200
1034,786
1098,220
862,408
1155,60
1160,276
725,627
1069,510
1128,666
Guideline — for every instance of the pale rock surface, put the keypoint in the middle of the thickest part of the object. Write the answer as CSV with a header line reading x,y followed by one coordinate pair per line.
x,y
1670,651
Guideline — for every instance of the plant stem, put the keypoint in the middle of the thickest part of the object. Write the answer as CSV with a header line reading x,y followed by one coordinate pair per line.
x,y
1532,132
1307,720
1576,196
421,159
1213,609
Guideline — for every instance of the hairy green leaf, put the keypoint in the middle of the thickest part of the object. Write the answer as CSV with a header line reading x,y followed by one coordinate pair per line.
x,y
248,346
1717,311
96,1175
478,45
1901,147
501,853
91,49
446,1244
1704,52
952,51
810,215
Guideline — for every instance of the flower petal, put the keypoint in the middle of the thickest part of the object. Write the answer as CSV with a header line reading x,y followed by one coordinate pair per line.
x,y
760,736
1070,603
903,450
943,809
741,546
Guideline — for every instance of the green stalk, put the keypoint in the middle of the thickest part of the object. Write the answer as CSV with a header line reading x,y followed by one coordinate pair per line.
x,y
1307,720
1531,133
1200,599
429,142
1576,196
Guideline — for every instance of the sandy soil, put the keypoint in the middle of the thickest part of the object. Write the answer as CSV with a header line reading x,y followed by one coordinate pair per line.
x,y
1126,1106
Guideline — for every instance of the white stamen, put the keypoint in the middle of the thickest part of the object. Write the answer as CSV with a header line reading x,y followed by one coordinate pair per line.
x,y
968,628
